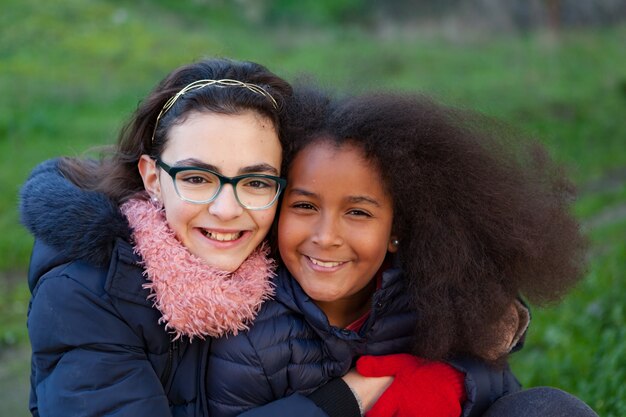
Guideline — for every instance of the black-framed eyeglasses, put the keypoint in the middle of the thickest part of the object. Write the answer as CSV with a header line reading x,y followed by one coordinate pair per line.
x,y
201,186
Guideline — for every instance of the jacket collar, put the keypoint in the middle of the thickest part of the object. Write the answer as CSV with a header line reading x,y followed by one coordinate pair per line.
x,y
72,224
68,223
291,294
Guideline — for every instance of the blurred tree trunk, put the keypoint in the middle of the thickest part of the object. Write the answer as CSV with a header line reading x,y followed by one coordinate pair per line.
x,y
554,14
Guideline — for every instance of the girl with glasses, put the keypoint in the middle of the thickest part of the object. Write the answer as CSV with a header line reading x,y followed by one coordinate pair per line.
x,y
183,205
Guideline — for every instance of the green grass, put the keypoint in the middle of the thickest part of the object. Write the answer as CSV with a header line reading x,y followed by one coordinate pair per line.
x,y
14,298
72,71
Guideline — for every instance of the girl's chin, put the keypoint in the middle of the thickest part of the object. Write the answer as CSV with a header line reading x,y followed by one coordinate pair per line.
x,y
223,263
226,259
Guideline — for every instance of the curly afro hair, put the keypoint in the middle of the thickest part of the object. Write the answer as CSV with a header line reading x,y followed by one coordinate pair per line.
x,y
482,214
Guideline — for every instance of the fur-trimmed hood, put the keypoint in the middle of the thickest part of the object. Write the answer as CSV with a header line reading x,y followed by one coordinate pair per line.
x,y
80,225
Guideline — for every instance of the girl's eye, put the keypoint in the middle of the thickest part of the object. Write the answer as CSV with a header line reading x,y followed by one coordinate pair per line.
x,y
303,206
257,184
359,213
191,177
195,180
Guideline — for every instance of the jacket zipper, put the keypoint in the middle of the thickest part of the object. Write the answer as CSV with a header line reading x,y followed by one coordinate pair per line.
x,y
173,347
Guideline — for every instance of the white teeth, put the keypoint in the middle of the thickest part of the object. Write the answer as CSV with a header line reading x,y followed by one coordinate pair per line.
x,y
325,264
222,237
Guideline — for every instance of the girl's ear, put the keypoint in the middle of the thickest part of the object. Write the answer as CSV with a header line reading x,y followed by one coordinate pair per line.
x,y
148,170
393,244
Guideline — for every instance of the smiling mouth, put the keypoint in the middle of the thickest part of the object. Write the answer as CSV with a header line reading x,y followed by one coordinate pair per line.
x,y
325,264
221,237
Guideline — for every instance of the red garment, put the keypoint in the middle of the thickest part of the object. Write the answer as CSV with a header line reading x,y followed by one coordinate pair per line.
x,y
356,325
420,388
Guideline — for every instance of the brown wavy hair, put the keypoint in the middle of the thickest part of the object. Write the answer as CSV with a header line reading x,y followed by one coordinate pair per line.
x,y
483,215
117,175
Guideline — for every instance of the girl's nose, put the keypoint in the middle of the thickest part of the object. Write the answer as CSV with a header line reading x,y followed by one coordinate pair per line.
x,y
225,206
327,232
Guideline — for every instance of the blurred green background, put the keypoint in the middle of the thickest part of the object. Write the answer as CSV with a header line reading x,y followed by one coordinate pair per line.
x,y
72,71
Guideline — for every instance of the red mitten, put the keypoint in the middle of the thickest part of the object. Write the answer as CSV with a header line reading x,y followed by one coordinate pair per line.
x,y
420,388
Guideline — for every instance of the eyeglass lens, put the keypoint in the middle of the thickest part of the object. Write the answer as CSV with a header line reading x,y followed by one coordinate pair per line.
x,y
201,186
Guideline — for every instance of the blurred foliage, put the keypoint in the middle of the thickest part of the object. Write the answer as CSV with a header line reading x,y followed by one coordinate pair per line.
x,y
14,298
484,15
72,71
317,11
587,356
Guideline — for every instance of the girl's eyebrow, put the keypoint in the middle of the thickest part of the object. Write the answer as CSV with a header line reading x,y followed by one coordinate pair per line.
x,y
252,169
356,199
302,192
262,167
353,199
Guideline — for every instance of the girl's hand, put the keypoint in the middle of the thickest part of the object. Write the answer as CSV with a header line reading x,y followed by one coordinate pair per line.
x,y
420,388
367,390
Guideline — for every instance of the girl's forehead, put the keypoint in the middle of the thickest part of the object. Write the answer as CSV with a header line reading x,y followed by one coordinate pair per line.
x,y
330,157
228,142
327,168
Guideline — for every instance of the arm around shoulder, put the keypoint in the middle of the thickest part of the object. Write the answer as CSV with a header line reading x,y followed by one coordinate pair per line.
x,y
334,399
484,384
293,405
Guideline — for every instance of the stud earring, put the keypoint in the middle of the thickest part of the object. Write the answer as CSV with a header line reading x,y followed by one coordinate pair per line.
x,y
395,242
156,202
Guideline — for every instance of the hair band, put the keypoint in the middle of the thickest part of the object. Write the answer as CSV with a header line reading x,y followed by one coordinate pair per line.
x,y
198,84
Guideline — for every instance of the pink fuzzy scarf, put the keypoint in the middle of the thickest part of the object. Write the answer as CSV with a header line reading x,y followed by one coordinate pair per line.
x,y
195,299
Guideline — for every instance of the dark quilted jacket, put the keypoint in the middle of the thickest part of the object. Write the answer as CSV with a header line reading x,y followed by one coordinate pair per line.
x,y
292,348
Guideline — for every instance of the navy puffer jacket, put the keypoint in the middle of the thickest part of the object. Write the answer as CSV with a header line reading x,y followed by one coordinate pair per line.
x,y
98,348
292,347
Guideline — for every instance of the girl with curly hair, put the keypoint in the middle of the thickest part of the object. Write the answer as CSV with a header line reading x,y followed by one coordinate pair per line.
x,y
474,217
409,232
